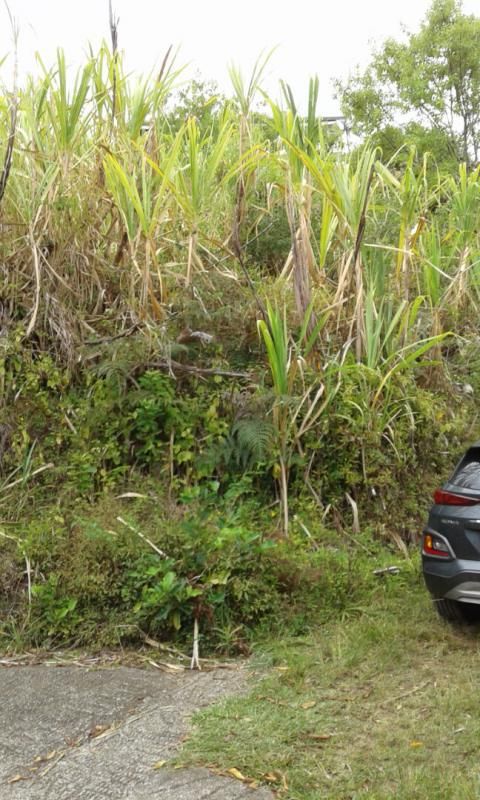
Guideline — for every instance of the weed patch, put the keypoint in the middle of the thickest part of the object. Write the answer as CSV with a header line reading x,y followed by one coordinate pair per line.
x,y
382,704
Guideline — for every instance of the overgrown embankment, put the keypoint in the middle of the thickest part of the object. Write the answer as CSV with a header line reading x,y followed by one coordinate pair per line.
x,y
235,357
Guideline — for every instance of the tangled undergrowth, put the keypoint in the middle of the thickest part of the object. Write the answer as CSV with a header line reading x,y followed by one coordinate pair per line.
x,y
235,355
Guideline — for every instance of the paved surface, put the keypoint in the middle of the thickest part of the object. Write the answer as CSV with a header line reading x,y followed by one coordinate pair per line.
x,y
69,733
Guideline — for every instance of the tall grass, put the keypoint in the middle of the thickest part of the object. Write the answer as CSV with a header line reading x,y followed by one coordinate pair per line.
x,y
111,214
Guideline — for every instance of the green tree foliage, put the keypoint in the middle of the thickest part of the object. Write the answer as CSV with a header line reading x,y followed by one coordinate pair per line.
x,y
198,98
434,76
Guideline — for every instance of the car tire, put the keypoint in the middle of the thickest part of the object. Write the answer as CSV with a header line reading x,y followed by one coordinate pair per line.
x,y
453,611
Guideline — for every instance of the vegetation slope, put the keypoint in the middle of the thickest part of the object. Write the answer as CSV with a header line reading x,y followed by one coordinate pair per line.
x,y
235,356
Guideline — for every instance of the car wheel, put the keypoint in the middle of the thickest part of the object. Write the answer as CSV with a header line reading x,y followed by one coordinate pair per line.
x,y
453,611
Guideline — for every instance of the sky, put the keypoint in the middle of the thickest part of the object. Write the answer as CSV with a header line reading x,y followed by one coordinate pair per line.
x,y
324,37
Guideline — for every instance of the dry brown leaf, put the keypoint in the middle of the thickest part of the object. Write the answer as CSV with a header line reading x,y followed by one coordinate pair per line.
x,y
397,539
43,759
97,730
235,773
309,704
165,667
16,778
276,777
159,764
73,742
273,700
270,777
319,737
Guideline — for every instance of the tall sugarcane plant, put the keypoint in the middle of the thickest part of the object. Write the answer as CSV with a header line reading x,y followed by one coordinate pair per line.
x,y
301,395
198,182
111,212
142,191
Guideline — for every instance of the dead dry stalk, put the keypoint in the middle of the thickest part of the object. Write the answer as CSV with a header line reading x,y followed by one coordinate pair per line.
x,y
36,266
7,161
195,662
113,22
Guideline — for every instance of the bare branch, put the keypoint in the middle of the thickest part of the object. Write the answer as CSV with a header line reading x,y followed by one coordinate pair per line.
x,y
175,366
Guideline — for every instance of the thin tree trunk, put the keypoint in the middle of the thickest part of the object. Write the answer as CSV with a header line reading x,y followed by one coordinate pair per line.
x,y
284,495
191,248
359,309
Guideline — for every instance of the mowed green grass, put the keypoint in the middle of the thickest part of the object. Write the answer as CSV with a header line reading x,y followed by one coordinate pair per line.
x,y
382,704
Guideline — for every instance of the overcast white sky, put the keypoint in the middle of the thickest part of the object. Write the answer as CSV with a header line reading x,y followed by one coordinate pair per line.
x,y
324,37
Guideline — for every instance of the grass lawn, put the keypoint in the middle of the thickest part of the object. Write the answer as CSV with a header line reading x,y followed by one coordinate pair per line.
x,y
382,703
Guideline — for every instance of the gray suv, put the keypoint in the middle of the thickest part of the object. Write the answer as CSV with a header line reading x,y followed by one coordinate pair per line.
x,y
451,543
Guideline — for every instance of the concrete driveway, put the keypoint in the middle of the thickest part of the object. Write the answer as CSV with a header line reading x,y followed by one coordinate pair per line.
x,y
73,733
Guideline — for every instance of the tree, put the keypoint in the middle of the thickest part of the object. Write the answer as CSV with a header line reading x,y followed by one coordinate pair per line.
x,y
198,98
432,78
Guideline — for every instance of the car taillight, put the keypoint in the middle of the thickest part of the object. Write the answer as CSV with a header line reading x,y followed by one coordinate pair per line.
x,y
443,498
435,546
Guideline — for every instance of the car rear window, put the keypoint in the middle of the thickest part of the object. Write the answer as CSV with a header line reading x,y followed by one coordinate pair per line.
x,y
467,475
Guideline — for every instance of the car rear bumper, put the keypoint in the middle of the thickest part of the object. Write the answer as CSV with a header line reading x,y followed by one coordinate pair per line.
x,y
455,580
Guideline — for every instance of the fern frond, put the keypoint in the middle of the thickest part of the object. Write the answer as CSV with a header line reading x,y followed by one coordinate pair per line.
x,y
251,441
